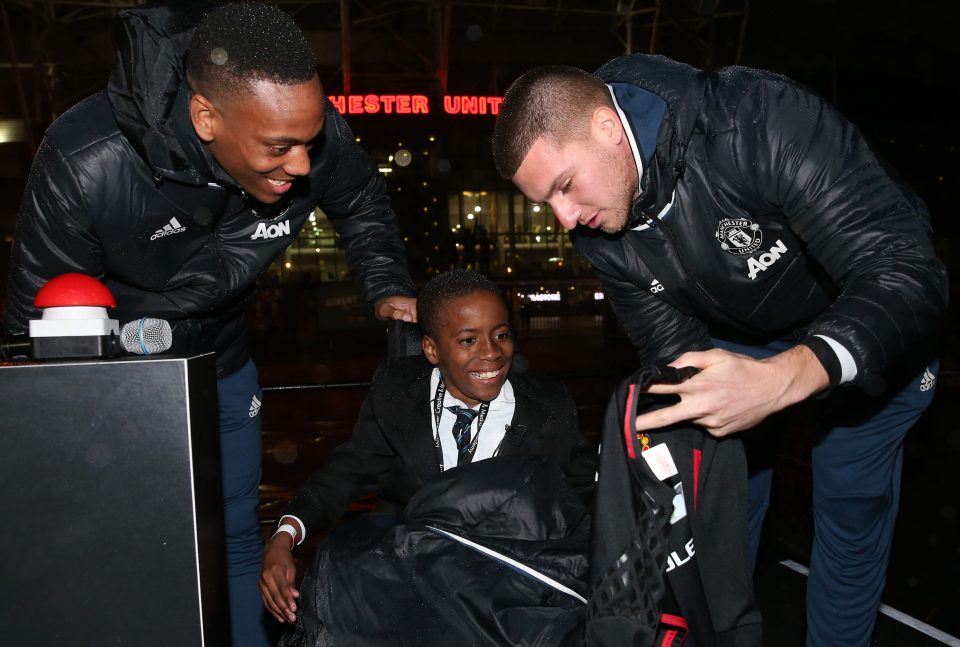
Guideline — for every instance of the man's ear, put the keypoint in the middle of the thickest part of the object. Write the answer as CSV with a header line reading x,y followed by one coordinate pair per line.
x,y
430,350
605,125
204,116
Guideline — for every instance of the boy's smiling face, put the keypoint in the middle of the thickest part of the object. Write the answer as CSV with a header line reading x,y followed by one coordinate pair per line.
x,y
473,347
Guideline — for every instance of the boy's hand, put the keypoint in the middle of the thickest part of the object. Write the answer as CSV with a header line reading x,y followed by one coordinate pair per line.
x,y
277,579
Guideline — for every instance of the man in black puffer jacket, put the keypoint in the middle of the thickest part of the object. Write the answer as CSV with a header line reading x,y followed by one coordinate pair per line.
x,y
179,184
737,210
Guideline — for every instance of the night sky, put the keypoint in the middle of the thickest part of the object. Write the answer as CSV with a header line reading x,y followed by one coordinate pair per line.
x,y
889,66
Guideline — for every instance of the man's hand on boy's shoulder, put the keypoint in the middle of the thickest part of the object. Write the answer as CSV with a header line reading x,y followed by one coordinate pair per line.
x,y
396,307
277,576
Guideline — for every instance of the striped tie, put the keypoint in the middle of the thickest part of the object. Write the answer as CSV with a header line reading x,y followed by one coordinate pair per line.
x,y
461,431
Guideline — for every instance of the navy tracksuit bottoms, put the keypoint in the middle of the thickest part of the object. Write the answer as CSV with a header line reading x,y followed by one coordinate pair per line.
x,y
856,465
239,399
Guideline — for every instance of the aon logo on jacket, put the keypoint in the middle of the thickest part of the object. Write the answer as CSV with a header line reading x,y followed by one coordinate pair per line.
x,y
271,231
762,262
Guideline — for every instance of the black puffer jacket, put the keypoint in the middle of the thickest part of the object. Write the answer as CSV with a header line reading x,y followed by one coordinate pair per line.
x,y
818,236
122,189
410,580
391,451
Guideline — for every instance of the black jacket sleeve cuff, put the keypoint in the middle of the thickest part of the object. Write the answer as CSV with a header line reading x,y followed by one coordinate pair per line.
x,y
829,359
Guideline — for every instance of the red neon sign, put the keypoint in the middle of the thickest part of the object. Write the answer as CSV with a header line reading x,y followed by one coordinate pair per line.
x,y
413,104
467,105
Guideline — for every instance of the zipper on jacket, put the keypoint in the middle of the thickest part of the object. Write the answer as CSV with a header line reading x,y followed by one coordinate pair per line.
x,y
690,278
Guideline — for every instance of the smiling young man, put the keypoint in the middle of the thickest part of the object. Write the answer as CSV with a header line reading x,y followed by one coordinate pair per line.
x,y
409,429
262,140
743,226
180,184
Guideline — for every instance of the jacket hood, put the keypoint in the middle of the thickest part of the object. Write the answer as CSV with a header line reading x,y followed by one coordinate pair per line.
x,y
150,44
682,87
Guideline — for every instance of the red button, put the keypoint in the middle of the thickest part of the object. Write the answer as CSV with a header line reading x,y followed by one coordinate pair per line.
x,y
74,290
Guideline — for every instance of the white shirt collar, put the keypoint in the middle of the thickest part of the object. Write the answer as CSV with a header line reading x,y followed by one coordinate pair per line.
x,y
505,395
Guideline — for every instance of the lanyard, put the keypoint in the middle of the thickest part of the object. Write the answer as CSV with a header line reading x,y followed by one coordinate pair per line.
x,y
438,411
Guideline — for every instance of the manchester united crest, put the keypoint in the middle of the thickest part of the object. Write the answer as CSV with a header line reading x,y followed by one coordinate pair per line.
x,y
739,235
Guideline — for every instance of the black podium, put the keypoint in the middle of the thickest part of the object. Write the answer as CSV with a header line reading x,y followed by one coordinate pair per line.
x,y
111,498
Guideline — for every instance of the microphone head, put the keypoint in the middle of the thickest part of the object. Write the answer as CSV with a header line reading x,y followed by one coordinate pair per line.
x,y
147,336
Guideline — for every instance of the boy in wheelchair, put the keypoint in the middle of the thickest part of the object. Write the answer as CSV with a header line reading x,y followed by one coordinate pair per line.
x,y
458,404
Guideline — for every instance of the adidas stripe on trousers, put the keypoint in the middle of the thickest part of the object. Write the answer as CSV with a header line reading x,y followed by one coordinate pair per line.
x,y
857,458
240,453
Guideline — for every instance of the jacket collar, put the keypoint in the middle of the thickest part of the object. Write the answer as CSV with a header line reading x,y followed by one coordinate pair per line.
x,y
201,163
529,417
641,113
681,88
145,85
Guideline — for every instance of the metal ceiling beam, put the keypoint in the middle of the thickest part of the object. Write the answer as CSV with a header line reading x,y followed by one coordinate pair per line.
x,y
419,30
345,41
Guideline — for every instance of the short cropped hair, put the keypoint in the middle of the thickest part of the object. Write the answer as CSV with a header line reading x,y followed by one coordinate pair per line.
x,y
553,101
236,44
444,288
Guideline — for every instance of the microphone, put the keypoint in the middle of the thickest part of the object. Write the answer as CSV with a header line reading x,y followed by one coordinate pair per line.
x,y
146,336
515,433
75,324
